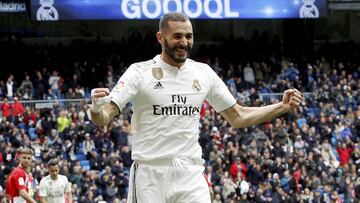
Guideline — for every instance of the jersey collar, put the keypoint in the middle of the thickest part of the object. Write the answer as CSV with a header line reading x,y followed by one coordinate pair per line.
x,y
158,59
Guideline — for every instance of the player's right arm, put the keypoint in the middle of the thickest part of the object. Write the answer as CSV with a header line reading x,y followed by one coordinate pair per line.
x,y
106,105
102,110
42,191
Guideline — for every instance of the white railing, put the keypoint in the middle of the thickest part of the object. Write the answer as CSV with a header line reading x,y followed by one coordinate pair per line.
x,y
50,104
268,97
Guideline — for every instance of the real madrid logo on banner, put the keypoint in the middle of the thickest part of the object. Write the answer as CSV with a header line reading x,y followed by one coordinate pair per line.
x,y
157,73
47,11
309,9
196,85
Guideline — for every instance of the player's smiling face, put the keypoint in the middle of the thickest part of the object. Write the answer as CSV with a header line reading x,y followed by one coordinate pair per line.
x,y
177,40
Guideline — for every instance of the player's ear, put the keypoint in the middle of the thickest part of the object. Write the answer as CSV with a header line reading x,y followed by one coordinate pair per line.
x,y
160,37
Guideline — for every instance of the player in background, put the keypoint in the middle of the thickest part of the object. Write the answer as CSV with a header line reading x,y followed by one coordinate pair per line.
x,y
55,188
18,182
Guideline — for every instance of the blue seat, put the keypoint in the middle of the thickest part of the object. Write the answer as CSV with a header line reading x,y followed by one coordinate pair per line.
x,y
80,157
301,122
313,111
32,134
85,164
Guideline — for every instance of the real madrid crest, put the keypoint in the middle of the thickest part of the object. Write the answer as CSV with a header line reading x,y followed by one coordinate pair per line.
x,y
120,85
157,73
196,85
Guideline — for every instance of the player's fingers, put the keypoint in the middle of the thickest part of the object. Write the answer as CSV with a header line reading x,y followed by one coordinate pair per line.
x,y
295,99
297,91
99,95
289,91
297,95
98,90
294,103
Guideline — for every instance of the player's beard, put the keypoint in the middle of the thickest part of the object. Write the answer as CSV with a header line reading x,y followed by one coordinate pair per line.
x,y
171,52
54,177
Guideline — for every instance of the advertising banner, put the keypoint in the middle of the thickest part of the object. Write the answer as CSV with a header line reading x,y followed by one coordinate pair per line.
x,y
47,10
12,6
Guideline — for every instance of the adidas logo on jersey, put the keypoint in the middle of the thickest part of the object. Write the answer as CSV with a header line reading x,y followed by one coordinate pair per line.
x,y
158,86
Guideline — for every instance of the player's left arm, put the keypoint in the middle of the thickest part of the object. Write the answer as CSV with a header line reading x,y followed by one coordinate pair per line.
x,y
68,192
26,196
42,199
20,186
69,197
239,116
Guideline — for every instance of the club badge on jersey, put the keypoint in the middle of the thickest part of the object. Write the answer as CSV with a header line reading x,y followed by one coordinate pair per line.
x,y
157,73
196,85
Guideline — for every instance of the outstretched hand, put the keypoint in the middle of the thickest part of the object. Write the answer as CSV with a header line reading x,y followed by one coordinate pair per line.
x,y
292,98
99,97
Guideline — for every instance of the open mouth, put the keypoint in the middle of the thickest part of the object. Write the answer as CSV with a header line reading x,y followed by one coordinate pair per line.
x,y
181,50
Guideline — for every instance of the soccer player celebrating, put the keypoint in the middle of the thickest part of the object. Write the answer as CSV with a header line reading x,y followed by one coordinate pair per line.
x,y
167,93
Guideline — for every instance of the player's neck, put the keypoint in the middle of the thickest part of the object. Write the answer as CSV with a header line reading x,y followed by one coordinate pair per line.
x,y
54,178
167,59
22,167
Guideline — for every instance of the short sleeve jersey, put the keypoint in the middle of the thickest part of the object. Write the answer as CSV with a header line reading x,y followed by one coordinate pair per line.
x,y
166,103
54,190
17,180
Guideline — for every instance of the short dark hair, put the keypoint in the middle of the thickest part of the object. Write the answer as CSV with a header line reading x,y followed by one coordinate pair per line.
x,y
53,162
173,16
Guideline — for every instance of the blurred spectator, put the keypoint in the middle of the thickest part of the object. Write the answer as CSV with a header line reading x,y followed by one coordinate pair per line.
x,y
88,144
6,108
40,86
63,121
10,87
249,76
345,151
329,156
54,80
18,107
238,168
25,91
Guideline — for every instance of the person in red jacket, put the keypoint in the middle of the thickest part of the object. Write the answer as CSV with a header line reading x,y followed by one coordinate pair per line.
x,y
344,152
18,183
18,107
237,167
6,108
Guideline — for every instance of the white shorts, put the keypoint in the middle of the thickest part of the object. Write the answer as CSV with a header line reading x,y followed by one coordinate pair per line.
x,y
162,182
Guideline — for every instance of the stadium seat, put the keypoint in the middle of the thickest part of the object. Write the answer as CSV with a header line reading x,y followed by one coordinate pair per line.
x,y
32,134
312,111
301,122
80,157
85,164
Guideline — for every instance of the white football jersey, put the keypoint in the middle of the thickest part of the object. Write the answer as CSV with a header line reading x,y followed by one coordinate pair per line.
x,y
54,190
166,104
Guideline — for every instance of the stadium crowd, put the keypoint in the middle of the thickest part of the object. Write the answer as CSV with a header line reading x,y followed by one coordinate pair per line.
x,y
309,155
